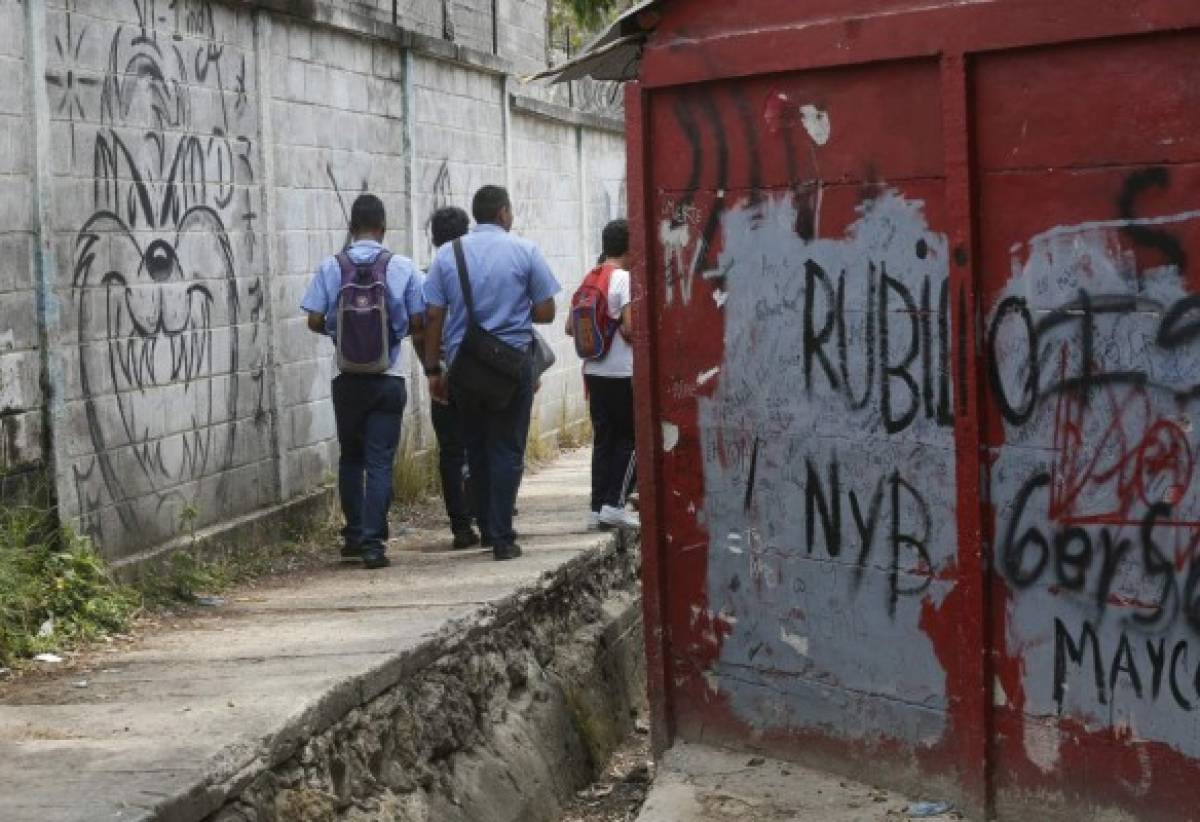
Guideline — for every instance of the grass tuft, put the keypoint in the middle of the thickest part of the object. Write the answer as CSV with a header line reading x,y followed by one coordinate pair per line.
x,y
55,588
415,476
185,577
539,448
573,433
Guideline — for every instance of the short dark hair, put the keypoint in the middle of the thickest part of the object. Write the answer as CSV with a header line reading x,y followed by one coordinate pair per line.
x,y
488,202
447,224
367,214
614,241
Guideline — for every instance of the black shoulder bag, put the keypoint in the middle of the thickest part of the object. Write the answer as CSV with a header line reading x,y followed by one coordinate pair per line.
x,y
486,370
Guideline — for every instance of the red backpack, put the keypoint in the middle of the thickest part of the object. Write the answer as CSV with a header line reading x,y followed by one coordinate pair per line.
x,y
594,328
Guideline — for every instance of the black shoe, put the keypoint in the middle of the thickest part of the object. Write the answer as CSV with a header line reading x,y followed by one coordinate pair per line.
x,y
351,552
465,538
375,558
509,551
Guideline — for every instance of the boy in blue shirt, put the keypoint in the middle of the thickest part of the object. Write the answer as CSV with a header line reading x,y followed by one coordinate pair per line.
x,y
513,288
368,408
446,225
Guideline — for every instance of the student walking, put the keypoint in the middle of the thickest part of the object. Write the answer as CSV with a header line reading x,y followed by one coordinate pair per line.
x,y
484,293
367,300
601,323
446,225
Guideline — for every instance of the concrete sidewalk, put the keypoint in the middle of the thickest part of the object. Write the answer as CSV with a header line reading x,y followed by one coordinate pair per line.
x,y
176,727
699,783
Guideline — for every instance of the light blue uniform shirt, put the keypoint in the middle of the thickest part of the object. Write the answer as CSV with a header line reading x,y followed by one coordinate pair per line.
x,y
508,275
404,298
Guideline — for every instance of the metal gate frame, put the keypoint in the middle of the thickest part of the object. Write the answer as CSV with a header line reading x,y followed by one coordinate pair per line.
x,y
953,35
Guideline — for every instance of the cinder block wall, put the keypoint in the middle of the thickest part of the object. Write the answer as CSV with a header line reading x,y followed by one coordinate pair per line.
x,y
21,402
170,177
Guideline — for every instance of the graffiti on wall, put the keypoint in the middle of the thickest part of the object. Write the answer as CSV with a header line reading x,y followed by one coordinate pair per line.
x,y
73,87
831,417
345,197
168,320
825,428
1094,370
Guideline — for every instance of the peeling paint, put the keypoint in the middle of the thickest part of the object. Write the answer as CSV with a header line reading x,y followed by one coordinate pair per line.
x,y
675,237
798,643
816,123
670,435
1042,745
1098,467
795,457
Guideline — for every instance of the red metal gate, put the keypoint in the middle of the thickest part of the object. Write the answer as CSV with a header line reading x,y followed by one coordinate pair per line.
x,y
917,371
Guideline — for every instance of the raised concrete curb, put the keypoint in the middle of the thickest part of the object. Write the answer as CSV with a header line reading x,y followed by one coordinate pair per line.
x,y
448,687
288,520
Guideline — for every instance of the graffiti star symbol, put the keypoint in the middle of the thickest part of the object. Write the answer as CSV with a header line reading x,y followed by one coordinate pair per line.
x,y
71,84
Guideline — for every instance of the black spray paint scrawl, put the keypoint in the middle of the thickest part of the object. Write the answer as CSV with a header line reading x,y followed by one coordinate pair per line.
x,y
154,277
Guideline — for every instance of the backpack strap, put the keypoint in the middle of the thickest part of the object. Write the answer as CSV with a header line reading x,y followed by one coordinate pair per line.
x,y
464,280
604,283
347,266
350,269
604,277
380,266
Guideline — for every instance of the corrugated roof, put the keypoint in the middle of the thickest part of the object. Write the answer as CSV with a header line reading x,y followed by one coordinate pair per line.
x,y
614,54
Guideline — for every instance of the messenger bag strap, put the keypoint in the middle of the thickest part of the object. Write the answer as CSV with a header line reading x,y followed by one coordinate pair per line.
x,y
464,281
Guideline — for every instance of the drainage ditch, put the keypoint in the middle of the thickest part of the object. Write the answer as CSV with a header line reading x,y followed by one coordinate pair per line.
x,y
510,715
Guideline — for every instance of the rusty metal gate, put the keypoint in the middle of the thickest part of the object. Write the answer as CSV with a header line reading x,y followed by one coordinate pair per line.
x,y
918,372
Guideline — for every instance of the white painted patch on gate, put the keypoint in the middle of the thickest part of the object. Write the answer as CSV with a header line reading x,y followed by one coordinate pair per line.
x,y
798,643
670,432
1042,745
816,123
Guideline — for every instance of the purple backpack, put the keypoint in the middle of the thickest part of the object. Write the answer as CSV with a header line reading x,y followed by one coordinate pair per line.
x,y
363,328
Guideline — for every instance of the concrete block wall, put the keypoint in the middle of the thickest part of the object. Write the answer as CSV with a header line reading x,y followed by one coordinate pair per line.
x,y
473,23
20,364
424,16
604,155
338,130
155,221
197,162
458,146
459,139
511,29
522,34
547,197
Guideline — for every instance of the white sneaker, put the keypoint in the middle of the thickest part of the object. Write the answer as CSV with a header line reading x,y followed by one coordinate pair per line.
x,y
594,523
619,517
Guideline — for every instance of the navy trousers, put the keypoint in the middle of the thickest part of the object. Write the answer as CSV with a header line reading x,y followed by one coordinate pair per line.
x,y
369,409
496,450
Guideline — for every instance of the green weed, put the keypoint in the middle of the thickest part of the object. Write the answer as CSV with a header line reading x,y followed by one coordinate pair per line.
x,y
186,576
55,589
